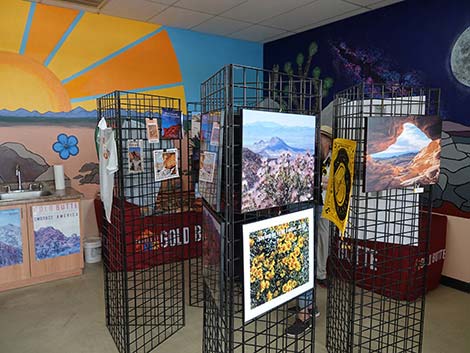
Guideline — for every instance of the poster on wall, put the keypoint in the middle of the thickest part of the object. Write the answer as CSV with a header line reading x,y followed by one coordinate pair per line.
x,y
402,151
135,156
165,164
212,243
195,124
171,124
277,159
277,261
338,192
11,240
153,133
56,230
210,166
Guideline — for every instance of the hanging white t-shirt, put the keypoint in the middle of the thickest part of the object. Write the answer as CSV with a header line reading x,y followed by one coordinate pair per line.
x,y
108,165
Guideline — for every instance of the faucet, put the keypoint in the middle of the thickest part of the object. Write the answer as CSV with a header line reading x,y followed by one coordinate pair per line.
x,y
18,174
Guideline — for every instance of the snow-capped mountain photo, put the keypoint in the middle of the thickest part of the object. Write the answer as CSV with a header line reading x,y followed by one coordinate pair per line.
x,y
51,242
56,230
11,244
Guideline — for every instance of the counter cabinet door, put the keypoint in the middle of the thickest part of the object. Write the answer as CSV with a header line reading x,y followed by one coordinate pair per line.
x,y
55,237
14,249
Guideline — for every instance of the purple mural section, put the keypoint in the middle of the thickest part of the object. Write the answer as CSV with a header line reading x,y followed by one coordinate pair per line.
x,y
399,45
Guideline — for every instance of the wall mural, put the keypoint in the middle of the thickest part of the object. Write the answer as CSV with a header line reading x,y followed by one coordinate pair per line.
x,y
416,53
307,68
55,62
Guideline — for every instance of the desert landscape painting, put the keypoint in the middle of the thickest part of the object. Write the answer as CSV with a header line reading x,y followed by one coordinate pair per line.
x,y
278,159
402,151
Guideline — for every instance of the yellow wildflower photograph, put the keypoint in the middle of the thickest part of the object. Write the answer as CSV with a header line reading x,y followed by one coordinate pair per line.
x,y
278,261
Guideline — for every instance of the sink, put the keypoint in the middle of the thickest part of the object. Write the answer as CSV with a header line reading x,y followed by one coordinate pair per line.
x,y
24,194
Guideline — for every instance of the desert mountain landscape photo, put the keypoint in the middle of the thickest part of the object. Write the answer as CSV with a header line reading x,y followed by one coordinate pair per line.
x,y
277,160
402,151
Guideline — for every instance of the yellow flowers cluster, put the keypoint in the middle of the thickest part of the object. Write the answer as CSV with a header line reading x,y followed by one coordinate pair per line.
x,y
291,284
277,263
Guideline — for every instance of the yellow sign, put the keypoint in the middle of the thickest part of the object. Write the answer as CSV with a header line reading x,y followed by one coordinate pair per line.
x,y
338,192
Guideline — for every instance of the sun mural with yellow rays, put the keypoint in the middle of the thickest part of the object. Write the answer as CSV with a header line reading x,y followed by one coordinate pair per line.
x,y
54,63
57,59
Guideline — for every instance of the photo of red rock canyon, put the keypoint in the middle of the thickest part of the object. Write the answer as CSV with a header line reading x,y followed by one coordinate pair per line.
x,y
402,151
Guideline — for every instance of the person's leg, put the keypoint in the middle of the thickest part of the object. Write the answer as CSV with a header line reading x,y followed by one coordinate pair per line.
x,y
303,320
305,301
322,247
305,304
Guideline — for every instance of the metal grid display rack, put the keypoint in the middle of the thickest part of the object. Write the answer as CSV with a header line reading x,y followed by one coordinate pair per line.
x,y
376,276
196,293
228,91
143,269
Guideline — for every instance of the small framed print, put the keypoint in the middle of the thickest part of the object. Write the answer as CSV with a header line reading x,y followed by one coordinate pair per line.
x,y
211,154
215,134
207,166
165,164
195,124
153,133
171,124
135,156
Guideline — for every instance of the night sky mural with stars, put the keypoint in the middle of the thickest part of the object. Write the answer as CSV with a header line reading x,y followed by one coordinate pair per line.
x,y
418,43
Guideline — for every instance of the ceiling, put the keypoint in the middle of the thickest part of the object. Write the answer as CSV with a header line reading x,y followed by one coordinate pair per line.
x,y
254,20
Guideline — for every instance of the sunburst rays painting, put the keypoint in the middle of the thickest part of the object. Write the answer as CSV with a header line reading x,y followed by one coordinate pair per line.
x,y
54,63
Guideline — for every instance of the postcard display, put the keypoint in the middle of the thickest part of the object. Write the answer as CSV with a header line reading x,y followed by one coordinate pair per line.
x,y
258,187
145,243
377,278
192,127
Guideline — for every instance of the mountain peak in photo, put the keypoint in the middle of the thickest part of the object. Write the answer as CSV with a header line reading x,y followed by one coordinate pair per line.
x,y
274,148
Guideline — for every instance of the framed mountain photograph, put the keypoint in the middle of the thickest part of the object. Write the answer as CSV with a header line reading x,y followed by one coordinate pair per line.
x,y
278,159
402,151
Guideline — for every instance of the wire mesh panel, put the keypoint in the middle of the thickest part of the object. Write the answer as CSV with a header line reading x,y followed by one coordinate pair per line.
x,y
224,95
376,270
143,266
196,294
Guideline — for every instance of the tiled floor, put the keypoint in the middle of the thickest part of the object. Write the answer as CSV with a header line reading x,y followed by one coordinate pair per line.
x,y
68,317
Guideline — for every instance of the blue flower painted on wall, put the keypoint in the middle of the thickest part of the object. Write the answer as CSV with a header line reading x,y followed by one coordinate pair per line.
x,y
66,146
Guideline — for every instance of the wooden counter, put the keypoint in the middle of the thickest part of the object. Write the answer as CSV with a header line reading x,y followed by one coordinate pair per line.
x,y
40,239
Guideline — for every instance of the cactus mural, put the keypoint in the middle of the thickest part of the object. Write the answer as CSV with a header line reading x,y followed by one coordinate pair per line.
x,y
303,69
